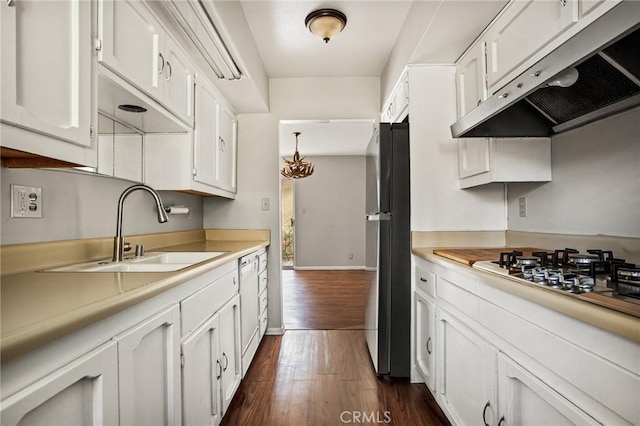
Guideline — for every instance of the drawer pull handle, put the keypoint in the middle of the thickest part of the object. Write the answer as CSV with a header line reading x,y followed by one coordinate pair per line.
x,y
501,421
423,280
429,345
484,413
161,66
226,362
219,369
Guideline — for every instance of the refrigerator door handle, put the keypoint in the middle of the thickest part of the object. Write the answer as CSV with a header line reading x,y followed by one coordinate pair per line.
x,y
378,216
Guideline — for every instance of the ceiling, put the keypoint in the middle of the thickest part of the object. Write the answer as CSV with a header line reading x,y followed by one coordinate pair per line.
x,y
440,34
330,137
288,48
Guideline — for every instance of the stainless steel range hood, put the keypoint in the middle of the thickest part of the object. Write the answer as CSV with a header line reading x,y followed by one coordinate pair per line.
x,y
607,57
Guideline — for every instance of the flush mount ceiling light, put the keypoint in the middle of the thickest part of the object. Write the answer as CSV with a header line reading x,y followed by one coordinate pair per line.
x,y
326,23
297,168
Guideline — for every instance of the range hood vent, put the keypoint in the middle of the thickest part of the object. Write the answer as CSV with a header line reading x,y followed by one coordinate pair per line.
x,y
605,54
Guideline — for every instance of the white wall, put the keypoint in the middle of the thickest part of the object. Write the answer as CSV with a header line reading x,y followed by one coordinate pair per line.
x,y
330,213
596,182
437,202
259,157
77,206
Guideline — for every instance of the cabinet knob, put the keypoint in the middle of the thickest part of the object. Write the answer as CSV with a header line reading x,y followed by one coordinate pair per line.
x,y
226,362
503,96
563,3
484,413
161,67
536,74
219,369
170,71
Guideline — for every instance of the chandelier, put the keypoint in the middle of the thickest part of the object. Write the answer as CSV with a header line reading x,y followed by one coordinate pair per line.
x,y
297,168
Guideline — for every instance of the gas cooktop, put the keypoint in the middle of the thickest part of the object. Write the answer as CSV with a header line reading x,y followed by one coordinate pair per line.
x,y
596,276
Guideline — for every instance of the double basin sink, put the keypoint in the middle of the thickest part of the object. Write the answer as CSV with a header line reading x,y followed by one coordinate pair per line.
x,y
150,262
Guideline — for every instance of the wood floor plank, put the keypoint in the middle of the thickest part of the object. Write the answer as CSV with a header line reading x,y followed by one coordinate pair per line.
x,y
323,300
325,376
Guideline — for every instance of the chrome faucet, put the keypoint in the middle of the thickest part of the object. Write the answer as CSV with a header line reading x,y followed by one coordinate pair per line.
x,y
118,241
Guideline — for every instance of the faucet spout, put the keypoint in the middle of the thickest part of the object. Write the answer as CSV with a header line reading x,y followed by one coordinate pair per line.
x,y
118,241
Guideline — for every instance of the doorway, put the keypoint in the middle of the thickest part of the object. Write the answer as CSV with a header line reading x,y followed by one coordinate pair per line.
x,y
288,223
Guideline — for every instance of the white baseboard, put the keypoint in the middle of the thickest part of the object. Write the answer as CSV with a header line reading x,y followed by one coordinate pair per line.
x,y
370,268
329,268
276,331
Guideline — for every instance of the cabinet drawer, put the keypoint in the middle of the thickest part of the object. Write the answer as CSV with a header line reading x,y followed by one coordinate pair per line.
x,y
262,262
264,319
262,281
262,301
426,280
201,305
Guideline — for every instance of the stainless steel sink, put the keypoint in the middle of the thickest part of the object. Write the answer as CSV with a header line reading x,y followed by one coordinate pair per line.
x,y
150,262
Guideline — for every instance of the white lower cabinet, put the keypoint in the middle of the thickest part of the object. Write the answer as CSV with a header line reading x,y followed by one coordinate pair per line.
x,y
425,310
230,350
503,360
174,359
466,372
201,375
523,399
212,370
83,392
149,371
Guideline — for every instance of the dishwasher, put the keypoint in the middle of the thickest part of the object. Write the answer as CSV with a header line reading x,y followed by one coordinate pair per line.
x,y
249,304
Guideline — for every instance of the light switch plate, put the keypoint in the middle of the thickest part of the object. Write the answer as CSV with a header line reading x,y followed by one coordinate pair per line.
x,y
522,206
26,201
266,204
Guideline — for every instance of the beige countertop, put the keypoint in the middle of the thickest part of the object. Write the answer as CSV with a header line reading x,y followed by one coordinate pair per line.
x,y
39,307
619,321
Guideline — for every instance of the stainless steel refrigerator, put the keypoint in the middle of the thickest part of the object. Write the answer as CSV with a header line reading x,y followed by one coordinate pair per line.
x,y
388,250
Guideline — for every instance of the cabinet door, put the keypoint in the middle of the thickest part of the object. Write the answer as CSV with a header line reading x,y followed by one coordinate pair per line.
x,y
83,392
525,400
473,157
206,133
201,374
149,371
470,79
425,333
227,142
249,299
46,67
131,42
524,28
466,372
230,350
178,76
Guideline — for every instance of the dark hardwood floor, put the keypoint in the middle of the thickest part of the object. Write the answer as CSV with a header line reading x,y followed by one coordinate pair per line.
x,y
321,373
323,300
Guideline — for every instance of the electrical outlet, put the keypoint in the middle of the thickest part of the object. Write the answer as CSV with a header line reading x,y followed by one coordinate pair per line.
x,y
266,204
26,201
522,203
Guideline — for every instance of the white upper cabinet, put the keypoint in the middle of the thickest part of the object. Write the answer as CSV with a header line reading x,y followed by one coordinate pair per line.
x,y
397,107
134,45
482,160
178,75
129,43
227,144
521,31
206,141
47,72
471,86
